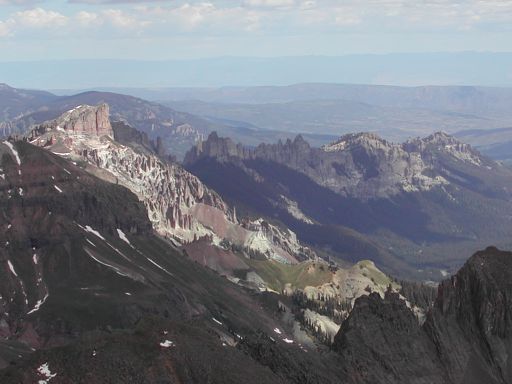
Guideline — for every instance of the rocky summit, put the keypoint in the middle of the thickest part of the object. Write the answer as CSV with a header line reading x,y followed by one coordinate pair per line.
x,y
82,119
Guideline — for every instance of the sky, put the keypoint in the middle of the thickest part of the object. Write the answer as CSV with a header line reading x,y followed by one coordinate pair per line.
x,y
174,29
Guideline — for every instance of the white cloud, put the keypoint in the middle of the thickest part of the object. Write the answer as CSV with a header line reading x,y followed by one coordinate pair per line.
x,y
204,16
5,28
123,20
40,18
271,17
270,3
87,19
18,2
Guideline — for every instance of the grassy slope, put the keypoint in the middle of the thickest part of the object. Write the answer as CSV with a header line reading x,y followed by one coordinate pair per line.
x,y
277,275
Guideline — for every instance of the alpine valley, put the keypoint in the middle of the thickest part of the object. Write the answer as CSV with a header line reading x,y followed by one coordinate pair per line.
x,y
276,263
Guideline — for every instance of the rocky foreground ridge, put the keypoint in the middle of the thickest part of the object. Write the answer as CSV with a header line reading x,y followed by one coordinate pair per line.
x,y
466,337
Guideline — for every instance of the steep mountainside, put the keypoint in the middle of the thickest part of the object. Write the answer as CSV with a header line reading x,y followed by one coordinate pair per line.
x,y
407,206
89,294
179,205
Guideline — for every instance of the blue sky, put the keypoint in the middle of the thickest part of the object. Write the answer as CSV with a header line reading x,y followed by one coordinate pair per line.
x,y
75,29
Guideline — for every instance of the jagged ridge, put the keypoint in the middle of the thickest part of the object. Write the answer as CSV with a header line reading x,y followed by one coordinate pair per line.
x,y
360,165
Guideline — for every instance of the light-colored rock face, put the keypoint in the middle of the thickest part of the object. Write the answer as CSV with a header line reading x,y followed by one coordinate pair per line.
x,y
82,119
179,205
360,165
447,144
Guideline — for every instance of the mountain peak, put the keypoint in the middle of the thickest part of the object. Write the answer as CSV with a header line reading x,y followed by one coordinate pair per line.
x,y
367,139
442,142
86,119
440,137
215,146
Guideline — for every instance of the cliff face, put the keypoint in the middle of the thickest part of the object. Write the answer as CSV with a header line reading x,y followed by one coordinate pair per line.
x,y
82,119
466,337
358,165
471,323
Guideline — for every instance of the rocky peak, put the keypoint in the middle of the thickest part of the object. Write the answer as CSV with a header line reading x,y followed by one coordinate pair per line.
x,y
220,148
441,142
368,140
300,143
84,119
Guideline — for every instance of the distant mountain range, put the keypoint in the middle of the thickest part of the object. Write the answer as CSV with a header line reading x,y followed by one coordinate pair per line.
x,y
413,206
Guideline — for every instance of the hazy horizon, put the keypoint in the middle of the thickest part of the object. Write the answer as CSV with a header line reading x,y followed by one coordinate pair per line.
x,y
398,69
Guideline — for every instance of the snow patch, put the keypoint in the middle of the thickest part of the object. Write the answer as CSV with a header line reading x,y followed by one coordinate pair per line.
x,y
116,270
93,231
90,242
123,237
159,266
57,188
288,341
277,330
217,321
167,344
14,151
44,370
38,304
11,267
